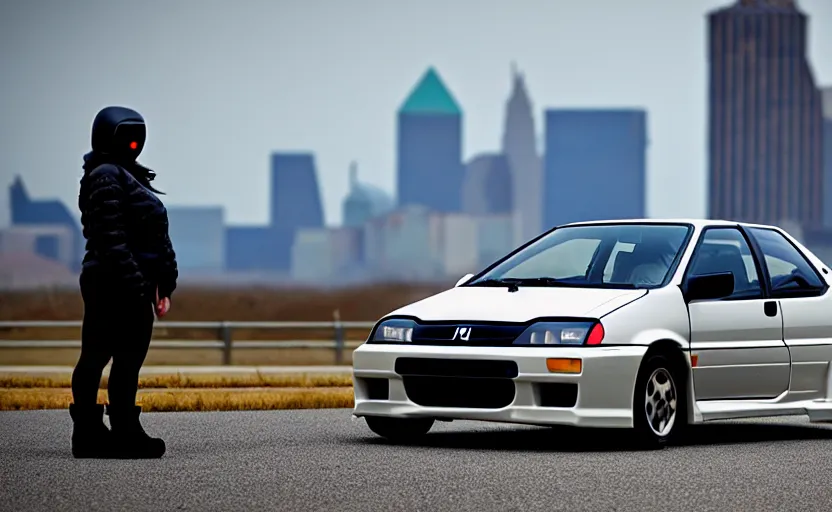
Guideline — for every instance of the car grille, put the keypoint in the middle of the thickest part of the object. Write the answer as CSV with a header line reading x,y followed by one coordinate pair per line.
x,y
480,334
470,368
477,384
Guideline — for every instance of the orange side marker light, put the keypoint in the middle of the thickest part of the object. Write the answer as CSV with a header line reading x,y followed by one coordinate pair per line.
x,y
564,365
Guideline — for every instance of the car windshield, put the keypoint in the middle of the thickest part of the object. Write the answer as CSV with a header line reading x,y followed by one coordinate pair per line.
x,y
626,255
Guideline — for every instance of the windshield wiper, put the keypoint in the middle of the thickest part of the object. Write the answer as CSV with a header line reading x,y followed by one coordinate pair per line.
x,y
494,282
545,281
514,282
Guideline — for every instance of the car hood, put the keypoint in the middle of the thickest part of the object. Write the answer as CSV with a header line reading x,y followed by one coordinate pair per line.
x,y
477,303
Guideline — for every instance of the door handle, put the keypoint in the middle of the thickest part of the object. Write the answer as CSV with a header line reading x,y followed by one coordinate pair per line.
x,y
770,308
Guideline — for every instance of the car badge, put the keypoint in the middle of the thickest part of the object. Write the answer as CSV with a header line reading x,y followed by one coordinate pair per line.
x,y
462,333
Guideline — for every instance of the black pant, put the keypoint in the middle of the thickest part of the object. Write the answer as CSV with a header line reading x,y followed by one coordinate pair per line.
x,y
116,327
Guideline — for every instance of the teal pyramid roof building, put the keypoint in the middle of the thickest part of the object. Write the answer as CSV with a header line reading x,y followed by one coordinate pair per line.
x,y
429,147
430,96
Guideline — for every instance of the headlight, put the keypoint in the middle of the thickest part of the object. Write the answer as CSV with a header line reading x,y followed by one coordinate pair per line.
x,y
562,333
394,331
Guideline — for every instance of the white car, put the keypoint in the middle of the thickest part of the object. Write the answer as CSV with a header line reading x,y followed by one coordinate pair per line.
x,y
649,325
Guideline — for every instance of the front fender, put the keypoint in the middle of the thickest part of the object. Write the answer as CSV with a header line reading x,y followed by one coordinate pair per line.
x,y
660,315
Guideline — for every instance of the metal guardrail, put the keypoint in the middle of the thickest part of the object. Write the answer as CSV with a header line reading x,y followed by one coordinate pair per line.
x,y
224,341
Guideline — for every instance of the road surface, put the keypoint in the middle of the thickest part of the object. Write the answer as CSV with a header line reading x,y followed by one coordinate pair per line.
x,y
322,460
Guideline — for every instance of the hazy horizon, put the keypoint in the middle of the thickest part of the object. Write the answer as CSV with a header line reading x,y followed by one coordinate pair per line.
x,y
224,84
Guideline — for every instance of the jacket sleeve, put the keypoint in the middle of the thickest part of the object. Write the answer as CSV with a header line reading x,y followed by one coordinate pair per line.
x,y
107,226
170,272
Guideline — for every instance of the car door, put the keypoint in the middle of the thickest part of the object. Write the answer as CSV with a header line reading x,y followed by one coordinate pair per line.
x,y
806,304
737,341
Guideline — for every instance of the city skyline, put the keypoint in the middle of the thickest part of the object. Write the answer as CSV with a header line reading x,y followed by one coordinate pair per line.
x,y
212,165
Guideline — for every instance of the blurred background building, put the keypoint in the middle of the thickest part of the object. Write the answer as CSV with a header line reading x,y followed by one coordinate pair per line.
x,y
199,232
295,205
521,152
765,116
256,249
44,218
364,201
595,165
430,170
487,187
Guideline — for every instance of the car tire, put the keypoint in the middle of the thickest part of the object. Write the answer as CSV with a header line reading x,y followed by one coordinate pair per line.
x,y
659,408
400,430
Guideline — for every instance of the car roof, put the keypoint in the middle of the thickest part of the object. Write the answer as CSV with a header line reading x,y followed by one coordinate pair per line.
x,y
696,222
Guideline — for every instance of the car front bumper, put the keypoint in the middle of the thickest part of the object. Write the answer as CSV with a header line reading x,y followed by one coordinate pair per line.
x,y
601,395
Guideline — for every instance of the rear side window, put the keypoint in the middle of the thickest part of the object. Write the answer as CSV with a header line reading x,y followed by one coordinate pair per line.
x,y
790,273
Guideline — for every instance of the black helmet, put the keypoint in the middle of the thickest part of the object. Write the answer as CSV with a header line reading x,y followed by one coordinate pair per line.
x,y
120,132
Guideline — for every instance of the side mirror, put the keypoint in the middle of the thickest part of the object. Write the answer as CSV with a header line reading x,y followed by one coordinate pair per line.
x,y
464,280
709,286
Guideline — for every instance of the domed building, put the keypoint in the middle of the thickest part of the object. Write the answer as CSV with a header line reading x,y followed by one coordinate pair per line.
x,y
364,201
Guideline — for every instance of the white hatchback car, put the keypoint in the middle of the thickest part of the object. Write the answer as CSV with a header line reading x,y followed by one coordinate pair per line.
x,y
643,324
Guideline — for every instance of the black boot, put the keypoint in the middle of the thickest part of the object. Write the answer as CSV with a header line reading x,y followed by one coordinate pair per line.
x,y
91,439
129,438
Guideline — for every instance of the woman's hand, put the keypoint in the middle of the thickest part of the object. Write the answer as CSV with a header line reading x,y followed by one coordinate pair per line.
x,y
162,305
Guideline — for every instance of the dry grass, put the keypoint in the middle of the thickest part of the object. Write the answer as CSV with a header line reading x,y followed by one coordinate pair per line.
x,y
185,357
189,400
176,381
170,393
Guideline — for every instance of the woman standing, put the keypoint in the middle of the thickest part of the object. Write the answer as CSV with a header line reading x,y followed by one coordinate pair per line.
x,y
128,274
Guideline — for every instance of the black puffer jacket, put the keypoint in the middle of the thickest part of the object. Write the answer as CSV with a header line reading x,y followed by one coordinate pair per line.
x,y
126,227
129,251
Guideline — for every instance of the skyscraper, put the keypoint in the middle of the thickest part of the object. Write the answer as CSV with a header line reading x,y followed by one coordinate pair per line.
x,y
520,148
296,197
594,165
765,121
430,169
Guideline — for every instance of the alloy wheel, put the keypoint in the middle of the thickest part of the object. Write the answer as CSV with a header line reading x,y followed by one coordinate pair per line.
x,y
660,402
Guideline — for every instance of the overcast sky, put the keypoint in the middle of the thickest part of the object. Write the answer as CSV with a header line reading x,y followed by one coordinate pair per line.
x,y
223,83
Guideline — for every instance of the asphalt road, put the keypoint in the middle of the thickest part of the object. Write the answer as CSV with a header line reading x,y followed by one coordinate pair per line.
x,y
321,460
